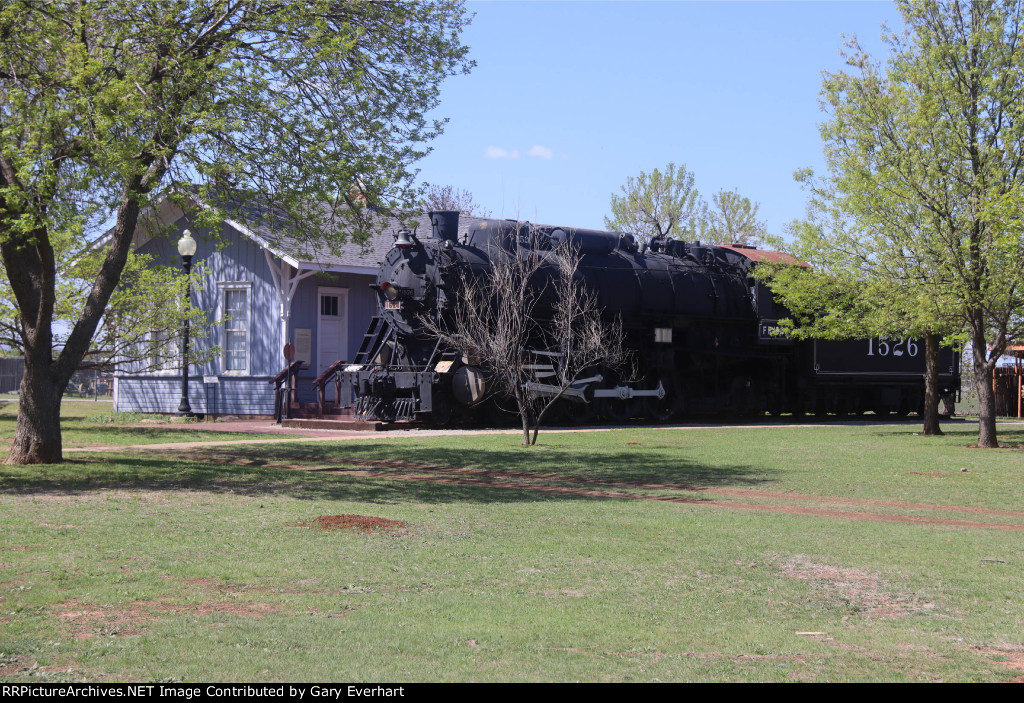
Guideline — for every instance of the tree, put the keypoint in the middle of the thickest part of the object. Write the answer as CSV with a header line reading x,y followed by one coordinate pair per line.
x,y
531,308
657,205
319,108
927,151
142,325
732,219
438,198
860,282
660,205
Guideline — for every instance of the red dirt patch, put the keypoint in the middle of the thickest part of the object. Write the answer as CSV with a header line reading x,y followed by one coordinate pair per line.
x,y
362,523
10,666
1014,658
126,619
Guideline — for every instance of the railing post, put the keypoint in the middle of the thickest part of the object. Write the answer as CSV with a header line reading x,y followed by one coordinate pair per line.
x,y
294,371
288,392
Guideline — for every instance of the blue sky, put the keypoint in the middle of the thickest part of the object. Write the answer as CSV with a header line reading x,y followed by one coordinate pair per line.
x,y
568,99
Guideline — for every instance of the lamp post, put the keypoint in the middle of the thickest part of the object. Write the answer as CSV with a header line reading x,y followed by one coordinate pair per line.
x,y
187,249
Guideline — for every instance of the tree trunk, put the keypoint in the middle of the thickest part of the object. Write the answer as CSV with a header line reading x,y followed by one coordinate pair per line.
x,y
931,385
540,417
524,415
983,369
37,438
526,428
31,269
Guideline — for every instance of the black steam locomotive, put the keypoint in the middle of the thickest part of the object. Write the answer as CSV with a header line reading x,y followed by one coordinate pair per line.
x,y
697,322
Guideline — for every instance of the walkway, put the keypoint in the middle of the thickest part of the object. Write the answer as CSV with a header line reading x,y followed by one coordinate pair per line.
x,y
304,435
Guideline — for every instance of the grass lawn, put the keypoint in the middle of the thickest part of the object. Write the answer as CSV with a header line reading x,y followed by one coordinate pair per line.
x,y
821,553
87,423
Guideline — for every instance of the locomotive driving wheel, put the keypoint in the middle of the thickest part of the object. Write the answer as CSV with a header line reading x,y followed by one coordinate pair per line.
x,y
618,409
665,408
576,413
498,412
443,411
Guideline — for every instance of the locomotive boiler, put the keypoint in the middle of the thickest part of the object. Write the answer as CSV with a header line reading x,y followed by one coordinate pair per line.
x,y
698,324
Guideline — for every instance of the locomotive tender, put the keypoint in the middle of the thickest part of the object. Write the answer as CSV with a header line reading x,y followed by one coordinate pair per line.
x,y
697,322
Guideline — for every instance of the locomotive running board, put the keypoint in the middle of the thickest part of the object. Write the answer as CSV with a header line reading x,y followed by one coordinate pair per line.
x,y
578,391
625,393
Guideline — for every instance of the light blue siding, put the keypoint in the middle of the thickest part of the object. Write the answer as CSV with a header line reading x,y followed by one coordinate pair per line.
x,y
362,305
162,394
236,259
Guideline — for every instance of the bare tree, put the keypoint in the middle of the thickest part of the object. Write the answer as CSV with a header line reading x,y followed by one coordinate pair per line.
x,y
437,197
533,327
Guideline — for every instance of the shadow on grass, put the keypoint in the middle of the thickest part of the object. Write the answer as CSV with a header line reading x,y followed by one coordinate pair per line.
x,y
219,471
82,433
115,434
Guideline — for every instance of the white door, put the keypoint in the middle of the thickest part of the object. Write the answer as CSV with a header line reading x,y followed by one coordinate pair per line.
x,y
332,329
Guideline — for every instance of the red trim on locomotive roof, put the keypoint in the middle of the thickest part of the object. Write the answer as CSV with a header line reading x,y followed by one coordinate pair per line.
x,y
755,254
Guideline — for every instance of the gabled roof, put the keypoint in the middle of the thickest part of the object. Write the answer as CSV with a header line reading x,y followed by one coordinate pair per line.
x,y
258,224
755,254
349,257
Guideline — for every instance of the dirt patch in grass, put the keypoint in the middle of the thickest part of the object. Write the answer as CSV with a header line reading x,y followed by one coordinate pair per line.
x,y
1013,658
10,665
88,621
67,527
865,592
359,523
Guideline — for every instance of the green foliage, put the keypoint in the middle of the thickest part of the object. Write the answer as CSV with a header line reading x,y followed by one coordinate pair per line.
x,y
657,204
295,102
145,318
732,219
857,283
314,109
920,209
669,205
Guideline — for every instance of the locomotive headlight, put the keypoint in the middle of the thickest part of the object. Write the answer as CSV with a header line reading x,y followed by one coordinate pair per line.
x,y
393,292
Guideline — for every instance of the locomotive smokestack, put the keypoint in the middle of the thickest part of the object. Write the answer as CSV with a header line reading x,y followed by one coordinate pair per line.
x,y
444,224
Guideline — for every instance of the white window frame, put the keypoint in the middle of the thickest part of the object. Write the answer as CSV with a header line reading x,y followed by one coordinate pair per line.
x,y
171,365
222,289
